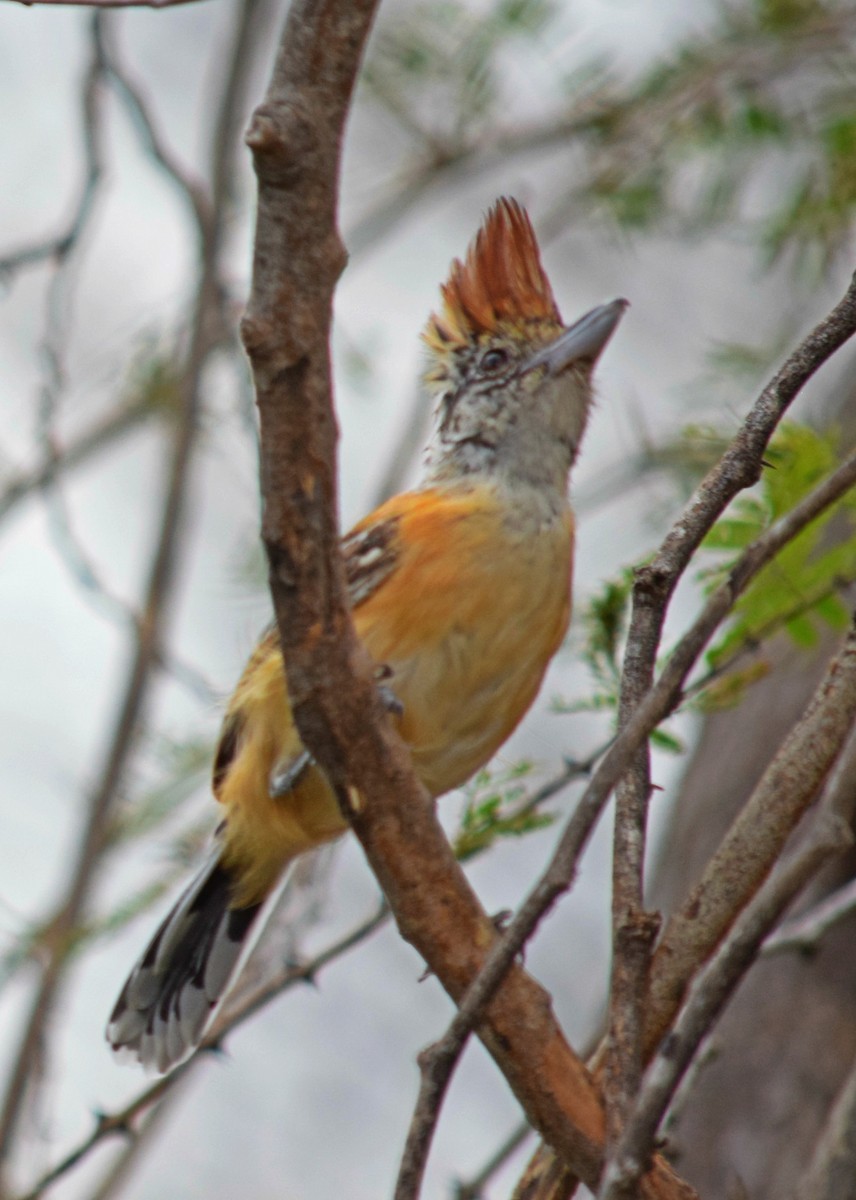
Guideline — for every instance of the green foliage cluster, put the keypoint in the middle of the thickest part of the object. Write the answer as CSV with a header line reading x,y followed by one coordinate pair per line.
x,y
497,805
800,590
797,593
748,124
768,85
437,67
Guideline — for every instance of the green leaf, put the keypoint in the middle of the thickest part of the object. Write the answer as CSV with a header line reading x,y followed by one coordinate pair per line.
x,y
798,591
802,632
496,806
605,625
663,740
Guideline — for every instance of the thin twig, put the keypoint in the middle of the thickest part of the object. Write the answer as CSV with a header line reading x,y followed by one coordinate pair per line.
x,y
27,482
438,1063
131,710
58,247
805,933
135,1143
706,998
738,468
249,997
617,131
191,189
755,839
634,930
473,1188
234,1014
830,1174
29,1056
84,572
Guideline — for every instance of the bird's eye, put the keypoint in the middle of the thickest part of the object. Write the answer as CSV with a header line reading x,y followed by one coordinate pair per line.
x,y
494,359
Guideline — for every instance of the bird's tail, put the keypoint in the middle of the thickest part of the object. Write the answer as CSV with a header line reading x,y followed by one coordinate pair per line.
x,y
173,990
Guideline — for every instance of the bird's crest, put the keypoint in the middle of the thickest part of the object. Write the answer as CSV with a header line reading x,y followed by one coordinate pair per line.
x,y
500,282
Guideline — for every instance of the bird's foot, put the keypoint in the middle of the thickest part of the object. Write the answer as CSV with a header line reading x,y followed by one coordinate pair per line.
x,y
388,698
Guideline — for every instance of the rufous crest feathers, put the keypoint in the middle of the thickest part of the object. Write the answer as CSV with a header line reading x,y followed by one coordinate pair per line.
x,y
500,282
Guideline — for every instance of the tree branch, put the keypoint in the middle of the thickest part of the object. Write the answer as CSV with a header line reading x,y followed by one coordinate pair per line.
x,y
805,933
739,467
148,635
26,482
634,931
707,996
830,1174
755,839
234,1013
473,1188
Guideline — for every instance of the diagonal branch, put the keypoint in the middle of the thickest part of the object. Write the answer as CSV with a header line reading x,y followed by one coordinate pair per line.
x,y
121,1122
830,1174
755,840
739,467
706,999
17,487
805,933
634,930
817,740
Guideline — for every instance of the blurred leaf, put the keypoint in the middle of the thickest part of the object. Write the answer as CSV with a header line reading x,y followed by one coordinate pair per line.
x,y
496,807
728,690
605,626
797,591
438,67
668,742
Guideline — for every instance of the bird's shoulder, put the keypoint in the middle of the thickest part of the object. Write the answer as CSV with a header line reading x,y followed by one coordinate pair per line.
x,y
409,525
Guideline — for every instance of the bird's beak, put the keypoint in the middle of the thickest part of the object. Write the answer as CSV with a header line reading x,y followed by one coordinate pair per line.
x,y
583,341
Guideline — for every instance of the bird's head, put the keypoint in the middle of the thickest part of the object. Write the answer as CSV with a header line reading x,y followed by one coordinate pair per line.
x,y
513,382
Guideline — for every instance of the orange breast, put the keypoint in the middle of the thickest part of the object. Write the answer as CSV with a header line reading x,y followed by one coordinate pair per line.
x,y
468,623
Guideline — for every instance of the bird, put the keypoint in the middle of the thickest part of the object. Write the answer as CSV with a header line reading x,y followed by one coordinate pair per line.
x,y
460,590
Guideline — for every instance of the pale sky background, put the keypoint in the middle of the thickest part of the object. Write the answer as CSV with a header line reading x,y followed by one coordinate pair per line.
x,y
315,1097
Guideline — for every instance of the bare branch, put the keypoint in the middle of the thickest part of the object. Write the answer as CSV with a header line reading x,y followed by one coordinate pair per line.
x,y
58,247
706,998
234,1013
634,931
473,1188
295,139
191,189
438,1063
805,933
755,839
739,467
24,483
131,710
832,1169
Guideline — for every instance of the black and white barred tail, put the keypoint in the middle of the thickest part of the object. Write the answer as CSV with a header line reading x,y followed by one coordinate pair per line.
x,y
172,992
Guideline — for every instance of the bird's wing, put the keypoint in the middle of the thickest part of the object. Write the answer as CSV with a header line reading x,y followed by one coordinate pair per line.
x,y
370,553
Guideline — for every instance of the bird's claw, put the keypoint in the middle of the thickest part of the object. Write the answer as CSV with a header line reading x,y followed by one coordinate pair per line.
x,y
284,776
388,698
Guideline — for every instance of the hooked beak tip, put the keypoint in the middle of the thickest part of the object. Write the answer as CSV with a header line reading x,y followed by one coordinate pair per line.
x,y
585,340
